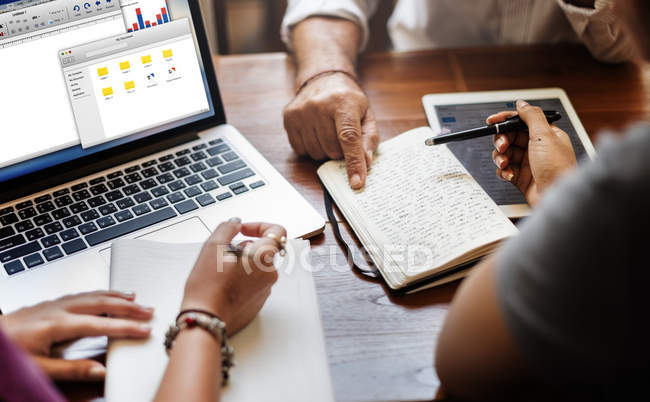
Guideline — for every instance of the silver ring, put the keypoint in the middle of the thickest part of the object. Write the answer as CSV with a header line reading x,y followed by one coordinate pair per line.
x,y
237,250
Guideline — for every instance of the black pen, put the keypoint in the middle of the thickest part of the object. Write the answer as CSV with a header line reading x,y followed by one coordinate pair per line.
x,y
511,124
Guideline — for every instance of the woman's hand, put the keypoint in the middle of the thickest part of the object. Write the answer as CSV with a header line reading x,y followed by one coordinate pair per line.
x,y
531,160
38,328
234,289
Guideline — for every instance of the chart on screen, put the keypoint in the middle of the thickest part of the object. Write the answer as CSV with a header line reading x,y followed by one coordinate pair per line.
x,y
142,14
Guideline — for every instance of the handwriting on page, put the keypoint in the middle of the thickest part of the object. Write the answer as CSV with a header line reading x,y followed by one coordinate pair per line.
x,y
421,196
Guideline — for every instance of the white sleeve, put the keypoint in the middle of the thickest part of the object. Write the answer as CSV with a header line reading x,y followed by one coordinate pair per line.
x,y
357,11
599,30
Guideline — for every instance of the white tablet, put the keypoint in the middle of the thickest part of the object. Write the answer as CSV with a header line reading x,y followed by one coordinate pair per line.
x,y
458,111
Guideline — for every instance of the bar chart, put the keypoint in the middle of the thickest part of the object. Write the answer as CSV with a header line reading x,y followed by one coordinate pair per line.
x,y
143,14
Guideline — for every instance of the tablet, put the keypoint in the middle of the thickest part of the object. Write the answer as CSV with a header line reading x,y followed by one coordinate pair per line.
x,y
458,111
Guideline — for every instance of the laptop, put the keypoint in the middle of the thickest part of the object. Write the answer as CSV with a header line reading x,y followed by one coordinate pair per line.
x,y
113,126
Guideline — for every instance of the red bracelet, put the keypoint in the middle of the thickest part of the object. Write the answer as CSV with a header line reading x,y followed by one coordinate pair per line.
x,y
327,72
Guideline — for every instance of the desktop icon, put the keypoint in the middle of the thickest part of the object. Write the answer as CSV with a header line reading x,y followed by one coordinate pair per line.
x,y
167,53
146,59
86,6
107,91
102,71
125,65
76,8
129,85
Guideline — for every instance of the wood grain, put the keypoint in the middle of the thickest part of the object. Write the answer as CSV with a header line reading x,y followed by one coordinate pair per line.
x,y
381,347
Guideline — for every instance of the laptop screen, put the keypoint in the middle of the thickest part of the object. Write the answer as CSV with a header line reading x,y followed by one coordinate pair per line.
x,y
80,77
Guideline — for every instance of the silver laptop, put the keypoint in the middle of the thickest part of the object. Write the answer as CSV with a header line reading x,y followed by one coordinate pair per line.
x,y
113,126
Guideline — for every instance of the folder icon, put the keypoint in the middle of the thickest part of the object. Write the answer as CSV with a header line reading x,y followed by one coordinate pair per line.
x,y
107,91
146,59
167,53
129,85
124,65
102,71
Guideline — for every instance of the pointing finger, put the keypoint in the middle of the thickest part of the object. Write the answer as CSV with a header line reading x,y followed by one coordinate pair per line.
x,y
348,129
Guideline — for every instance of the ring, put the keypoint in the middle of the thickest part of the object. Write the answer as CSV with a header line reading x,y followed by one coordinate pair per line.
x,y
237,250
281,242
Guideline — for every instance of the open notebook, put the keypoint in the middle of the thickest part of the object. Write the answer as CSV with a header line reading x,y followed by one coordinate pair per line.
x,y
280,356
421,215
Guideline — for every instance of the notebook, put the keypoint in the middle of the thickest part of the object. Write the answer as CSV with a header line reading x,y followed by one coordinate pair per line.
x,y
280,356
421,217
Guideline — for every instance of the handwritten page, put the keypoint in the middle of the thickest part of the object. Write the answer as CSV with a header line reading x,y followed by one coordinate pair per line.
x,y
420,208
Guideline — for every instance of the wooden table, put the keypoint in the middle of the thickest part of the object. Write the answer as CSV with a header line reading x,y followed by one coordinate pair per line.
x,y
381,347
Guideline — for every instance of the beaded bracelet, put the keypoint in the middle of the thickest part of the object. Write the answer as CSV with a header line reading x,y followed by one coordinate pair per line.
x,y
211,323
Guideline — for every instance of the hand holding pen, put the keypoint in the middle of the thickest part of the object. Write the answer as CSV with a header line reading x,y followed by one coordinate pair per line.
x,y
531,159
529,152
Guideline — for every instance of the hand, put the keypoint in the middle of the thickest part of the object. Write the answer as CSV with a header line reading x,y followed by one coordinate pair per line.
x,y
532,160
234,289
331,118
39,327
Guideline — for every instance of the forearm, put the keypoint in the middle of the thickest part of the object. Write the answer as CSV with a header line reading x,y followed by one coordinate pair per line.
x,y
323,44
476,357
194,369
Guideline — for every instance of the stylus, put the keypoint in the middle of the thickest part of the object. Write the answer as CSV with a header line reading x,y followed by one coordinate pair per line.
x,y
511,124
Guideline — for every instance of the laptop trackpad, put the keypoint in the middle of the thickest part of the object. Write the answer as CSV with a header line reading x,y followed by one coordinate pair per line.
x,y
191,230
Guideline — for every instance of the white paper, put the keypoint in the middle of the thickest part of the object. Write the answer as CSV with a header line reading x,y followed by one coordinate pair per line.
x,y
280,356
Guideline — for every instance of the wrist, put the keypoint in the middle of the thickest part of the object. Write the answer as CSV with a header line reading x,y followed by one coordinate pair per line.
x,y
305,73
350,76
214,307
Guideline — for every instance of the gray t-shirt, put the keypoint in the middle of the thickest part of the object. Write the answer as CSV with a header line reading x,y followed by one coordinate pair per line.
x,y
574,286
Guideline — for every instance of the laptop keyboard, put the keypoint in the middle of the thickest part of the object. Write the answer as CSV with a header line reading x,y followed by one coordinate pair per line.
x,y
72,219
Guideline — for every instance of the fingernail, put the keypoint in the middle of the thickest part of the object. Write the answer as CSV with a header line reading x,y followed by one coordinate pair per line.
x,y
97,371
496,163
148,309
355,181
234,220
487,121
370,155
129,294
511,176
521,103
498,143
145,327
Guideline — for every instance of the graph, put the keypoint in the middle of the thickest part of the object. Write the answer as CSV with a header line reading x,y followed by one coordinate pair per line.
x,y
143,14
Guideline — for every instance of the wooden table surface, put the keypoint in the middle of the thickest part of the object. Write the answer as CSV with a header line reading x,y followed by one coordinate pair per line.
x,y
381,347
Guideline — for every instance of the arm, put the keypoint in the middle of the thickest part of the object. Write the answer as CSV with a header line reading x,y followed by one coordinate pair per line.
x,y
196,355
595,23
235,289
558,305
476,356
330,117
